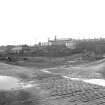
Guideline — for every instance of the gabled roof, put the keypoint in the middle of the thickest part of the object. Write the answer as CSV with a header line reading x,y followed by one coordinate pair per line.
x,y
17,48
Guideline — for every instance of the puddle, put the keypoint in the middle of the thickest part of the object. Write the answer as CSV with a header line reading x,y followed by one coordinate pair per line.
x,y
45,70
8,83
100,82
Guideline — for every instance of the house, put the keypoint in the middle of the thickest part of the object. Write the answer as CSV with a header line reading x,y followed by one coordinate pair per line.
x,y
20,49
3,49
17,49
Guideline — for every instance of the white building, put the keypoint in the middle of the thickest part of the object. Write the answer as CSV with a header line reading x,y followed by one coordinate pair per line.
x,y
70,43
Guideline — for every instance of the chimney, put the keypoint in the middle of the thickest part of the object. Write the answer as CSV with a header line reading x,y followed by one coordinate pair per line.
x,y
48,39
55,38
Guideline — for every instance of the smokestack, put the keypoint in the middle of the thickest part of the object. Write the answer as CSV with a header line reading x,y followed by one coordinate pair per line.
x,y
55,38
48,39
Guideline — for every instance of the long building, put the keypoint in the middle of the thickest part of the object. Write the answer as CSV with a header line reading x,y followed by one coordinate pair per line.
x,y
68,42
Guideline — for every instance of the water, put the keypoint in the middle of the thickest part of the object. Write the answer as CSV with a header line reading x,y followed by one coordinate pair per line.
x,y
100,82
45,70
8,83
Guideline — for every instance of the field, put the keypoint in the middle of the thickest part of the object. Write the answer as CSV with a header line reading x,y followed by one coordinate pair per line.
x,y
52,88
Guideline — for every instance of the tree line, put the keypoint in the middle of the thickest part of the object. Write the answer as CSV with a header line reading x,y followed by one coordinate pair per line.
x,y
89,47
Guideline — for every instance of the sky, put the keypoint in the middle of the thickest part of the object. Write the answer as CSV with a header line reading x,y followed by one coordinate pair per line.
x,y
32,21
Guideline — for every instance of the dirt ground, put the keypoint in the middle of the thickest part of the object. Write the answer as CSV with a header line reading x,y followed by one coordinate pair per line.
x,y
53,89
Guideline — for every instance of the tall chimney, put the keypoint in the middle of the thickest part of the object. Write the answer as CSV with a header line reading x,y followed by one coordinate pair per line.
x,y
48,39
55,38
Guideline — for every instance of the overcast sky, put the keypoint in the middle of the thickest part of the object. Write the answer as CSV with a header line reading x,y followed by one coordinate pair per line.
x,y
31,21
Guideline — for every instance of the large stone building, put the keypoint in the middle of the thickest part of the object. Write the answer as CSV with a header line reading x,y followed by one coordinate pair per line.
x,y
70,43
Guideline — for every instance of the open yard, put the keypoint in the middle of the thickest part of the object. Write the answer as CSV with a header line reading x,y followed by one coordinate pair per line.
x,y
52,88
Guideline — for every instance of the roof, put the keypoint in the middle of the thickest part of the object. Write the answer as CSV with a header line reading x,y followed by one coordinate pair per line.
x,y
17,48
63,39
3,49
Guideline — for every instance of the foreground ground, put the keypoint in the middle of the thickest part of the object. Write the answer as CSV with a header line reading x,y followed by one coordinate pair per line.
x,y
52,88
